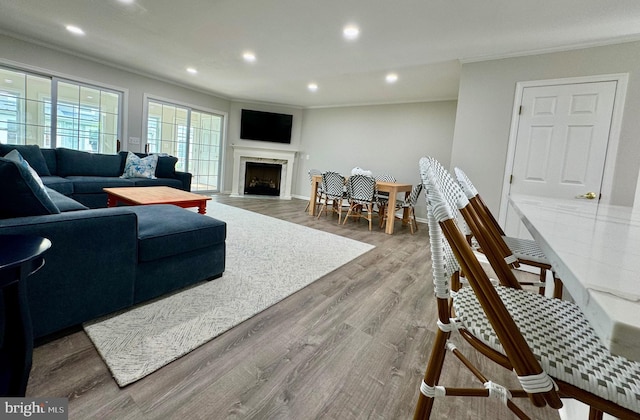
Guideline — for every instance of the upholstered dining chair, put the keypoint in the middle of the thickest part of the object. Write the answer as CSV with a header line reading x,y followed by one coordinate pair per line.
x,y
319,189
547,342
516,251
333,195
361,192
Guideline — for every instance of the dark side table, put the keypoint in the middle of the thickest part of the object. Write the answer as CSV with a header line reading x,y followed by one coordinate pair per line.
x,y
20,256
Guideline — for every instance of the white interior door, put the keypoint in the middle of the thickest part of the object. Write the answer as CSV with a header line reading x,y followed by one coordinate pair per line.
x,y
561,143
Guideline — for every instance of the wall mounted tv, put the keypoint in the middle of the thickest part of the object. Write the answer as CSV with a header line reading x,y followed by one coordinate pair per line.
x,y
265,126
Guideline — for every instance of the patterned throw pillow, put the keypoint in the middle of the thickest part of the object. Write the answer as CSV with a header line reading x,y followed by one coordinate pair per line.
x,y
136,167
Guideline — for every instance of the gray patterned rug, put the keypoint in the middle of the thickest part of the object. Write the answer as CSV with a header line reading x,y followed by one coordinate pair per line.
x,y
141,340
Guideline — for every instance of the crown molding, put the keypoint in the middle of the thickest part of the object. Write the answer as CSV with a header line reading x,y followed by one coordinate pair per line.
x,y
550,50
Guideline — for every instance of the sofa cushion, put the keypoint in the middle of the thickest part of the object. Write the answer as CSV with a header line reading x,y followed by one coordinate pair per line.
x,y
93,201
158,182
166,167
62,185
95,184
31,153
22,191
165,230
137,167
74,162
63,202
51,159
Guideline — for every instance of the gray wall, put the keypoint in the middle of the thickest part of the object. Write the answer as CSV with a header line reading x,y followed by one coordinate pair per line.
x,y
385,139
485,104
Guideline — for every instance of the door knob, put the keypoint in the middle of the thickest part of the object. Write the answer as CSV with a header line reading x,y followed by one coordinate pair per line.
x,y
589,196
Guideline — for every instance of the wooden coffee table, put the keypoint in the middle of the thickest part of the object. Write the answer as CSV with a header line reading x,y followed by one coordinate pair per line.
x,y
156,195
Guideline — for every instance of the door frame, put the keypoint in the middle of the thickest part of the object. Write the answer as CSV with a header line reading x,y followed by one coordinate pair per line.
x,y
622,80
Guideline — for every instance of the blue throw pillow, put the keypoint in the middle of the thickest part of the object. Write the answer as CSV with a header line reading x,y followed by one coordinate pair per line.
x,y
136,167
31,153
22,190
166,167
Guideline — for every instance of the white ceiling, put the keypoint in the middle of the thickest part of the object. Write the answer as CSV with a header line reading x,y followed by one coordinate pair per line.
x,y
300,41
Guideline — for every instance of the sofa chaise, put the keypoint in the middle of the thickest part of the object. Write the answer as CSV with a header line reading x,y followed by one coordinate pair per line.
x,y
102,259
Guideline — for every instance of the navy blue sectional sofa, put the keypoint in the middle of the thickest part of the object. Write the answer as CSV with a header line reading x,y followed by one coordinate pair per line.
x,y
82,175
104,259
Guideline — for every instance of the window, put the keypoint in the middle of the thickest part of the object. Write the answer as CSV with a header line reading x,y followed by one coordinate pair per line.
x,y
25,101
85,117
193,136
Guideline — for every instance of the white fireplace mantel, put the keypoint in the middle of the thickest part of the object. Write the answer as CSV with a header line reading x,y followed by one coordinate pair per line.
x,y
244,154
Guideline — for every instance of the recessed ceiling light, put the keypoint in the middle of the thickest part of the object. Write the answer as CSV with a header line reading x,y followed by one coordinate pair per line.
x,y
249,57
312,87
75,30
127,1
391,78
351,32
8,81
192,70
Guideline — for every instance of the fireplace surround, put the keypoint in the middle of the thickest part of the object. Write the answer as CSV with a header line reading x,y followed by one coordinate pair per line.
x,y
263,155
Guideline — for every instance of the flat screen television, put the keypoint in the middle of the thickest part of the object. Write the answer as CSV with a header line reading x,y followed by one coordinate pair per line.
x,y
265,126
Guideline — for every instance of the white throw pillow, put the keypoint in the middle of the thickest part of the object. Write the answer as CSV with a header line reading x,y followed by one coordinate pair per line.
x,y
137,167
359,171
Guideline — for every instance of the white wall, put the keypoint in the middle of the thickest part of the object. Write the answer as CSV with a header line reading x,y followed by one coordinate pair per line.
x,y
385,139
485,103
52,62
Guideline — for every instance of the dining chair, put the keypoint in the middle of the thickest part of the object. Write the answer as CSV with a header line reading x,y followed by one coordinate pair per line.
x,y
361,192
490,249
516,250
382,197
409,204
319,188
547,342
333,195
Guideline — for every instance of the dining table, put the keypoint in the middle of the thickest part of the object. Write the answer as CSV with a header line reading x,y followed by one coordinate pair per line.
x,y
393,188
594,249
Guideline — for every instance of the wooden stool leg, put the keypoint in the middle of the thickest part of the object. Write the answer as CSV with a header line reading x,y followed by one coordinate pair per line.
x,y
543,279
432,374
382,214
595,414
557,287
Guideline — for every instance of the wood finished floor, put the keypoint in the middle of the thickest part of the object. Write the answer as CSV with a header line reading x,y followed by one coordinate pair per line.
x,y
352,345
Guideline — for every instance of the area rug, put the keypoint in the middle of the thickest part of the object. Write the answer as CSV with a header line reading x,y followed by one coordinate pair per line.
x,y
267,260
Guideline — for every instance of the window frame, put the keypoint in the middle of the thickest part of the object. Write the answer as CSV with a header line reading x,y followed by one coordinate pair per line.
x,y
188,147
50,119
